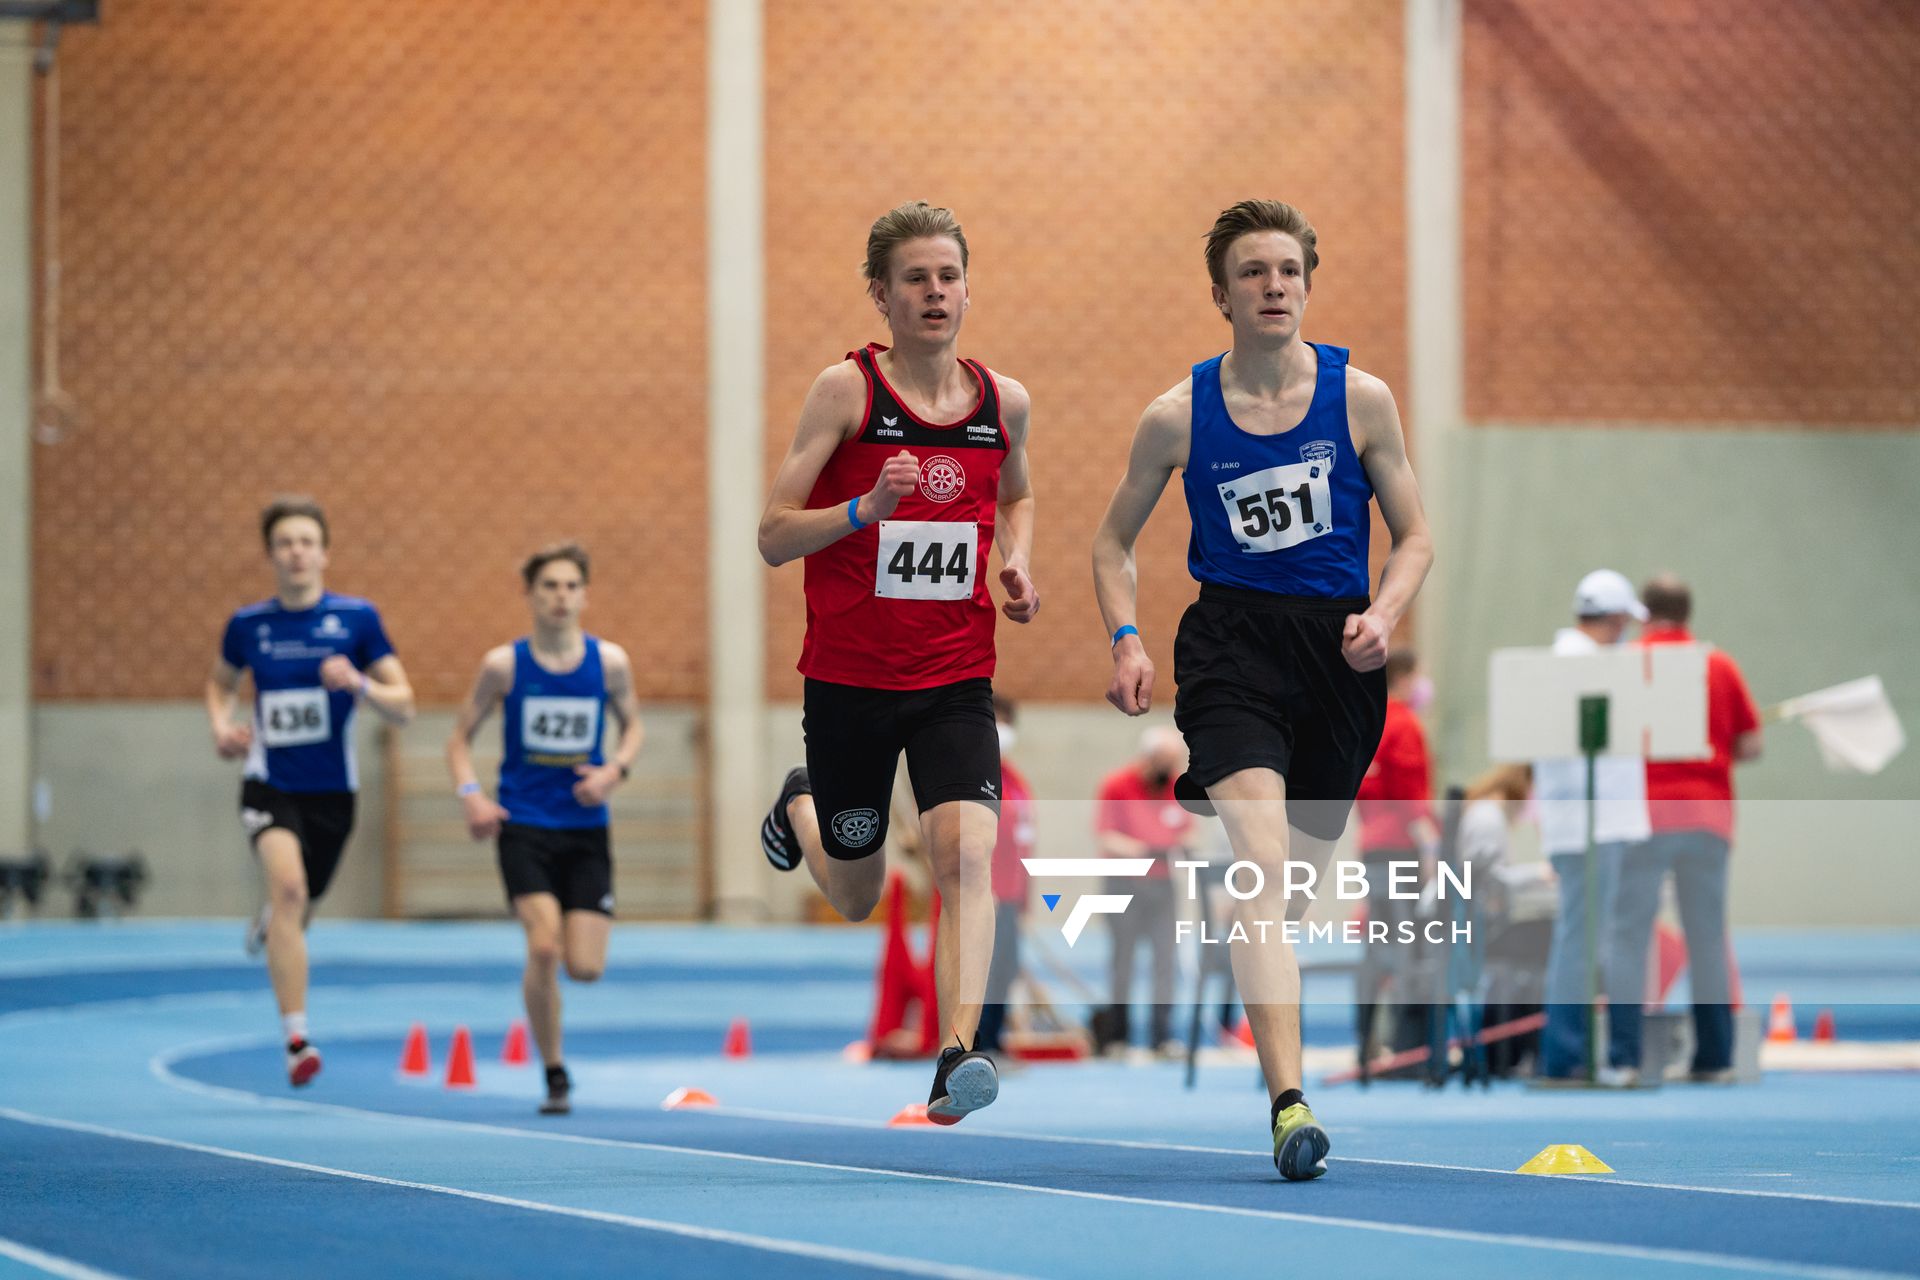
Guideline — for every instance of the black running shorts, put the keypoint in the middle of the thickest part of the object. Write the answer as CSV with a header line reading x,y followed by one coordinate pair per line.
x,y
320,820
574,864
1260,683
854,740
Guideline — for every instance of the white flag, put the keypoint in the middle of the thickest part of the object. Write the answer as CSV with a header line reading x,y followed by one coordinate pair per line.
x,y
1853,723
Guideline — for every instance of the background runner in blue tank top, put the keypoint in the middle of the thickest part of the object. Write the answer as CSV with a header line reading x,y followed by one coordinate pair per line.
x,y
313,656
1280,693
556,690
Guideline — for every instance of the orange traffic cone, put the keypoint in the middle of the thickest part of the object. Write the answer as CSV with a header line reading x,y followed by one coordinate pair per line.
x,y
415,1060
1243,1032
911,1116
739,1041
460,1060
1780,1028
1823,1027
687,1099
514,1051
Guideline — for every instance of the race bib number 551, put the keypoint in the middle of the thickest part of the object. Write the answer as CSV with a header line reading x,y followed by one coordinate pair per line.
x,y
1280,507
926,559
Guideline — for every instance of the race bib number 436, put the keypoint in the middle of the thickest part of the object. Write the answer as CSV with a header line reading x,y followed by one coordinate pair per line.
x,y
926,559
295,717
1280,507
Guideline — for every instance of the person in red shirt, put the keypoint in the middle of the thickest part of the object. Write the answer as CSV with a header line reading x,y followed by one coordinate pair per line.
x,y
1139,817
908,467
1013,843
1690,805
1396,825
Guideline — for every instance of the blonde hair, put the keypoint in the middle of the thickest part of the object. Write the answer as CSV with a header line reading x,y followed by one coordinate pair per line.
x,y
1259,215
914,220
1507,782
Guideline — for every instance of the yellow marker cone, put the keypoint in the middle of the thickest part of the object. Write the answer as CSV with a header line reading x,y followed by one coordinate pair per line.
x,y
1569,1159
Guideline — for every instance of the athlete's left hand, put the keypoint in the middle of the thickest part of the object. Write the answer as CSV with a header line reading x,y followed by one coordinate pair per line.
x,y
596,783
338,674
1363,641
1023,599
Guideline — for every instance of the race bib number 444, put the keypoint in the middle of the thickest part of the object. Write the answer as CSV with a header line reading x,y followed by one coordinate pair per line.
x,y
295,717
926,559
1280,507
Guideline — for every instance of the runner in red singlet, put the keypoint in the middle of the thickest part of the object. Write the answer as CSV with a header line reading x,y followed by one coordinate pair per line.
x,y
909,464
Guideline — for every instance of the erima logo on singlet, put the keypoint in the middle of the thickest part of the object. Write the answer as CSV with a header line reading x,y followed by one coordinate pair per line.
x,y
892,422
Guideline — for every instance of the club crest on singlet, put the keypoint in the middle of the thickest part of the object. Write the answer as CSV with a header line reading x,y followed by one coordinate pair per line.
x,y
1321,451
942,479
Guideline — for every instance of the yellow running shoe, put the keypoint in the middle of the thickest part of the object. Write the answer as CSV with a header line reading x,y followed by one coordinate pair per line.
x,y
1300,1145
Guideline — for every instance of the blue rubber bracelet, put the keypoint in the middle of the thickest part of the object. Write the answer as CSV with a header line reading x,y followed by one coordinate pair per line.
x,y
1128,630
852,517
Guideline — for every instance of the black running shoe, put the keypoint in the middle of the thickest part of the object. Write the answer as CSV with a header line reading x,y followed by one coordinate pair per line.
x,y
777,837
1192,796
964,1082
559,1093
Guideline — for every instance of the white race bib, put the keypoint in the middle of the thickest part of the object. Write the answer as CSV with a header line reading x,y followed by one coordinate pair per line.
x,y
559,726
926,559
295,717
1280,507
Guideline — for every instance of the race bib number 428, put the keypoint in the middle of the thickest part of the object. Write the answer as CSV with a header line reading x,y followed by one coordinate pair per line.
x,y
926,559
295,717
559,726
1280,507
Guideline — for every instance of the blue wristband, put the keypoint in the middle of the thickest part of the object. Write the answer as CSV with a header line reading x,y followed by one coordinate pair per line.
x,y
852,517
1122,633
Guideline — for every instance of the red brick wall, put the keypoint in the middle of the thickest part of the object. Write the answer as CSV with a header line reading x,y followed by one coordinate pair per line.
x,y
1086,148
1693,210
442,269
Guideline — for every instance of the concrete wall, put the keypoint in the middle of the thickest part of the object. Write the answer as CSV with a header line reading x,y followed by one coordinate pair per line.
x,y
1802,569
142,775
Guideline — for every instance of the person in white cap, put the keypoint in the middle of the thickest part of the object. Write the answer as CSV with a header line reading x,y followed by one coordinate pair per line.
x,y
1604,605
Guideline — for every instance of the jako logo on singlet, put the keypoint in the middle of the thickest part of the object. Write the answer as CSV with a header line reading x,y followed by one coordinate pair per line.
x,y
1088,905
856,828
941,478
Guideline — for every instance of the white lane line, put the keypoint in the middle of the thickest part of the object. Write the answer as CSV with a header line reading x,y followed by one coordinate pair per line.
x,y
161,1069
52,1264
770,1244
751,1113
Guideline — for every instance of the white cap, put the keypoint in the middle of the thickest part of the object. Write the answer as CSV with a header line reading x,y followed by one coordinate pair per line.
x,y
1602,592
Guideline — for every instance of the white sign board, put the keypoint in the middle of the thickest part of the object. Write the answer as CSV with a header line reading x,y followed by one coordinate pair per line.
x,y
1656,701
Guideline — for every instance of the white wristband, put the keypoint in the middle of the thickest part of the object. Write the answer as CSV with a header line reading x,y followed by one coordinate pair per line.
x,y
466,789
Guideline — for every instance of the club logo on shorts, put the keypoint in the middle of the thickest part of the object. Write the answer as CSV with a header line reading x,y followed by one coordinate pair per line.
x,y
255,820
606,904
1321,451
856,828
941,478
